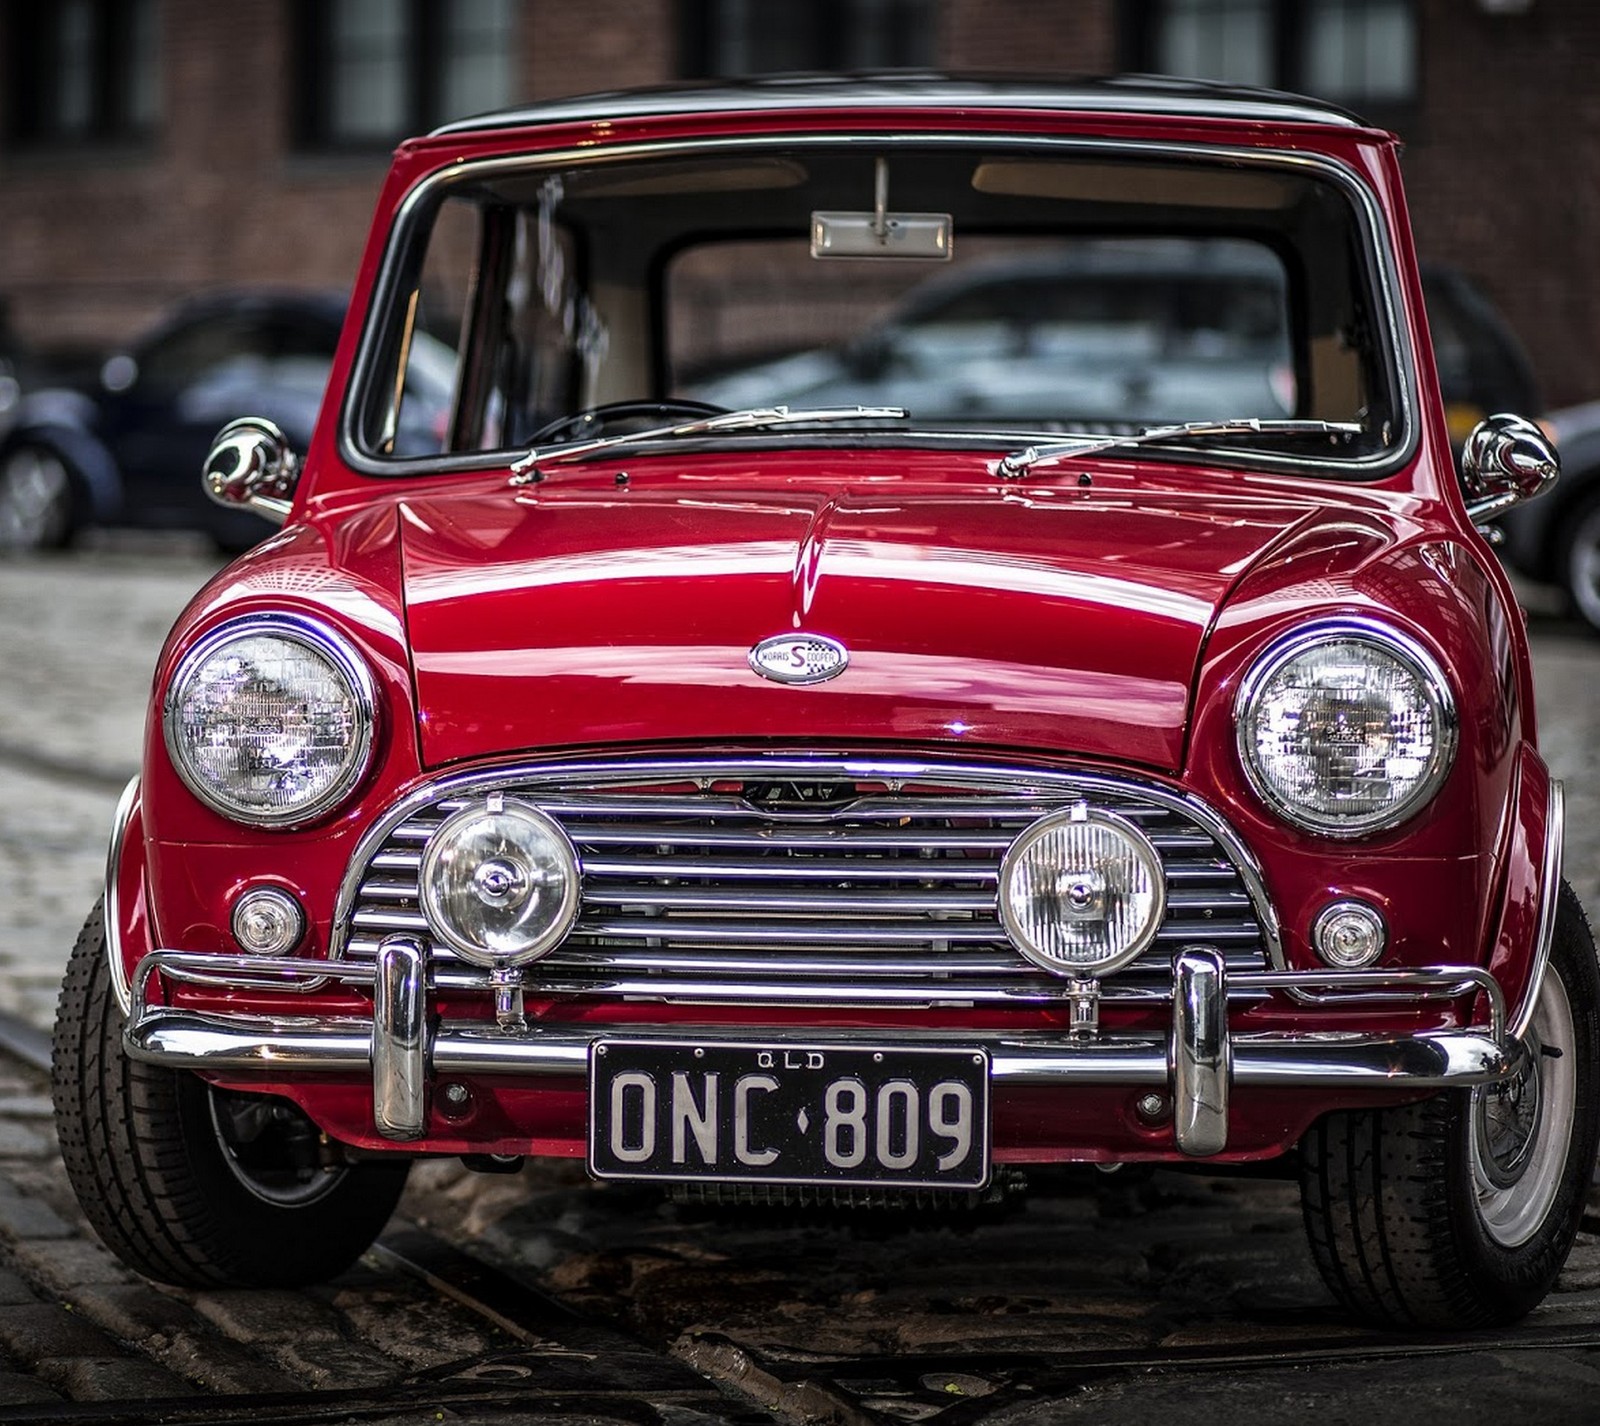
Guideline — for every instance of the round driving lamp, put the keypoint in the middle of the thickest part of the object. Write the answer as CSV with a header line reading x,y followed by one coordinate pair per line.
x,y
500,883
1082,892
1346,729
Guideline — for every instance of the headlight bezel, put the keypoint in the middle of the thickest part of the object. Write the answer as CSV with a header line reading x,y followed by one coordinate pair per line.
x,y
1405,650
321,640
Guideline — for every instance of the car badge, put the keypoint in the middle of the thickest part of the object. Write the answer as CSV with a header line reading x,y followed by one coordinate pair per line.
x,y
799,658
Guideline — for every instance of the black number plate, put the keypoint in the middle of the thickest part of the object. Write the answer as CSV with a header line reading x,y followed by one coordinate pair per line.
x,y
797,1114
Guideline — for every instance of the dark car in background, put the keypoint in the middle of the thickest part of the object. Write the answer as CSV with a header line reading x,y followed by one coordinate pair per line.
x,y
1482,365
123,447
1127,332
1558,542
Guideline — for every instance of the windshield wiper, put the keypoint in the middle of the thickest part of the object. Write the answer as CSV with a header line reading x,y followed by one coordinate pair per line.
x,y
757,418
1019,463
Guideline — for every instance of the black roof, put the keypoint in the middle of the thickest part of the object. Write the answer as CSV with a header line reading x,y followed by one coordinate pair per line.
x,y
1126,94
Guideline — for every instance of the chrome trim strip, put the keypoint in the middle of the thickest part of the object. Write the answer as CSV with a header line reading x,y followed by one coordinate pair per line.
x,y
779,765
195,1040
1201,1062
1550,878
399,1050
1371,217
1378,987
111,907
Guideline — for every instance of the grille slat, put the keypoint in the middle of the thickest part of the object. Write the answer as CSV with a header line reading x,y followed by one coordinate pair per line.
x,y
693,893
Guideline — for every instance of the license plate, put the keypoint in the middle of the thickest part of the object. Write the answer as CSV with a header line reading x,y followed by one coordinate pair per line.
x,y
796,1114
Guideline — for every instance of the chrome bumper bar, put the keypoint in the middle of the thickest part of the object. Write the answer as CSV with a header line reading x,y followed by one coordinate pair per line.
x,y
1200,1061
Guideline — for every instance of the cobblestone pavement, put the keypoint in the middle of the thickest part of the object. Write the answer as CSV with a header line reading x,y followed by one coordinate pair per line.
x,y
79,637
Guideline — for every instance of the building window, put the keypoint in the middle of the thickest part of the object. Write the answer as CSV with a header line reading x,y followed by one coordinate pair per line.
x,y
1360,51
1357,52
84,72
731,38
373,71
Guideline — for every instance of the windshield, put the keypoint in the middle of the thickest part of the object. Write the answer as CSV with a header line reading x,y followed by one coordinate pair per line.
x,y
988,293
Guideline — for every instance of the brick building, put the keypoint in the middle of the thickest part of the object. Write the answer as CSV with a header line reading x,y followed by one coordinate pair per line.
x,y
152,147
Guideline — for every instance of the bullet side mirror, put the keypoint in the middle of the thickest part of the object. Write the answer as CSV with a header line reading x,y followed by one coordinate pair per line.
x,y
251,466
1506,461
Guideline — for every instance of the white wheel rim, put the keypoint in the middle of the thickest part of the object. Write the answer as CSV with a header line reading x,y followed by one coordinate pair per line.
x,y
33,498
1583,567
1522,1129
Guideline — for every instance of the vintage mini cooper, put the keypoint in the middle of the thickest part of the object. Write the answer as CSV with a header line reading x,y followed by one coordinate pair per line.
x,y
941,633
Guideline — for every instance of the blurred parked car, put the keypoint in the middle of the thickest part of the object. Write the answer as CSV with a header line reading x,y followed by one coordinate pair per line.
x,y
1123,333
125,448
1557,540
1482,365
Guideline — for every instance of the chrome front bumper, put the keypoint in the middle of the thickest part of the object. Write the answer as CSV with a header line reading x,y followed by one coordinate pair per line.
x,y
1199,1062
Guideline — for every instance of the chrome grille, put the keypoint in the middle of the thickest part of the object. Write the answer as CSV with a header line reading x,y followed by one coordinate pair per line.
x,y
808,882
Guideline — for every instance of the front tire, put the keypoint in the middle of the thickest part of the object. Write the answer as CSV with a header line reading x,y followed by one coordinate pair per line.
x,y
1459,1212
192,1185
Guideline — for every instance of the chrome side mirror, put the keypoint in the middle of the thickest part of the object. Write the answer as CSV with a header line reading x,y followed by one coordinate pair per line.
x,y
252,466
1505,461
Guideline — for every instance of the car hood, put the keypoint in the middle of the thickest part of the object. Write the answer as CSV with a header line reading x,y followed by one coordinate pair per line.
x,y
1045,617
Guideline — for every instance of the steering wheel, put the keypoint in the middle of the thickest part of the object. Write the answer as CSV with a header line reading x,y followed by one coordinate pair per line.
x,y
599,420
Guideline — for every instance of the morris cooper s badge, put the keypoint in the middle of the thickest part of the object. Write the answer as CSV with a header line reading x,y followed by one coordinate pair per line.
x,y
799,658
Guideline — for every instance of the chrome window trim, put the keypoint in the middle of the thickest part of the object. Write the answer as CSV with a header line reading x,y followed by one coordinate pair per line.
x,y
311,634
1550,869
1403,646
111,906
863,768
1371,221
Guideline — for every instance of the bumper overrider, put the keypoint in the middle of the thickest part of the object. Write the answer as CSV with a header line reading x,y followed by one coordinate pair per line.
x,y
1198,1063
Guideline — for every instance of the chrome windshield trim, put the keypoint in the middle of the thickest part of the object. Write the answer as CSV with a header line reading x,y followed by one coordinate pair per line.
x,y
858,768
1550,880
1371,220
111,907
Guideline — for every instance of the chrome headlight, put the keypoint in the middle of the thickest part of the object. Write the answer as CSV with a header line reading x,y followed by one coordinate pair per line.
x,y
269,720
1346,729
1082,892
500,883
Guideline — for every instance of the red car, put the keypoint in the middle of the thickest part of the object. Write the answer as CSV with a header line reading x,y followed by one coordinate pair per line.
x,y
857,803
